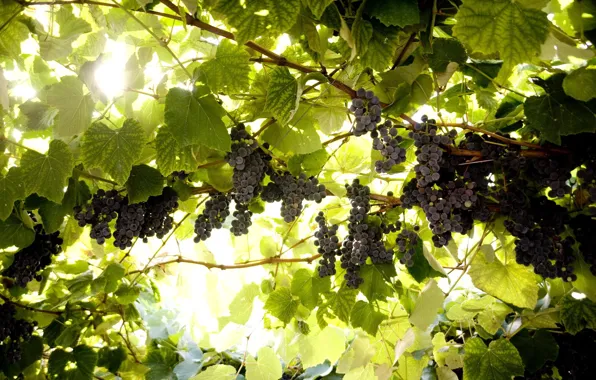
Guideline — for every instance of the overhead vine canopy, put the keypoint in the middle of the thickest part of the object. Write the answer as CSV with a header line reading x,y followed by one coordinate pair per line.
x,y
297,189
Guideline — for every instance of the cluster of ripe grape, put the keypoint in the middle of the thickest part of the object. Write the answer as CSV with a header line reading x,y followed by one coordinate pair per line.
x,y
217,209
367,110
250,165
133,220
31,260
537,225
328,245
292,192
364,239
407,241
13,333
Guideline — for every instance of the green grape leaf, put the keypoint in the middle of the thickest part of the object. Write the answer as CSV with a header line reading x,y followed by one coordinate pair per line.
x,y
281,304
60,363
39,116
113,150
536,350
161,361
47,174
364,315
229,69
144,181
394,12
74,107
14,232
317,7
446,50
375,286
482,73
511,282
111,358
298,138
248,18
499,361
308,286
362,32
52,215
11,189
578,314
428,303
127,294
170,156
283,95
381,47
495,26
196,120
554,116
580,84
343,302
216,372
309,164
266,367
71,26
13,31
242,304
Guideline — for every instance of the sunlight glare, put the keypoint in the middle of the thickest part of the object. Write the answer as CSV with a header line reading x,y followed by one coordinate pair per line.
x,y
110,73
23,91
578,296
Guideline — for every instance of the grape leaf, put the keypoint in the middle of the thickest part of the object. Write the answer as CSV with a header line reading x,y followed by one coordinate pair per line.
x,y
328,344
11,190
250,20
580,84
362,31
299,138
60,362
113,150
160,362
381,47
144,181
111,358
317,7
70,26
47,174
216,372
169,156
266,367
394,12
556,116
364,315
578,314
14,232
536,350
283,95
499,361
375,286
282,304
32,351
425,311
74,107
446,50
308,286
511,282
411,367
39,116
229,69
343,302
241,306
13,31
196,120
501,26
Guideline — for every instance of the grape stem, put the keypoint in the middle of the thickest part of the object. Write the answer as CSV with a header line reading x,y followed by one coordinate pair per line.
x,y
6,299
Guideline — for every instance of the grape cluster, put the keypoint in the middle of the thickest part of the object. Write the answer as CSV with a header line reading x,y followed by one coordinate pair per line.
x,y
217,209
242,219
249,163
429,153
406,241
104,208
364,239
31,260
328,245
367,109
553,172
158,221
129,224
587,175
13,333
537,224
292,192
386,140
